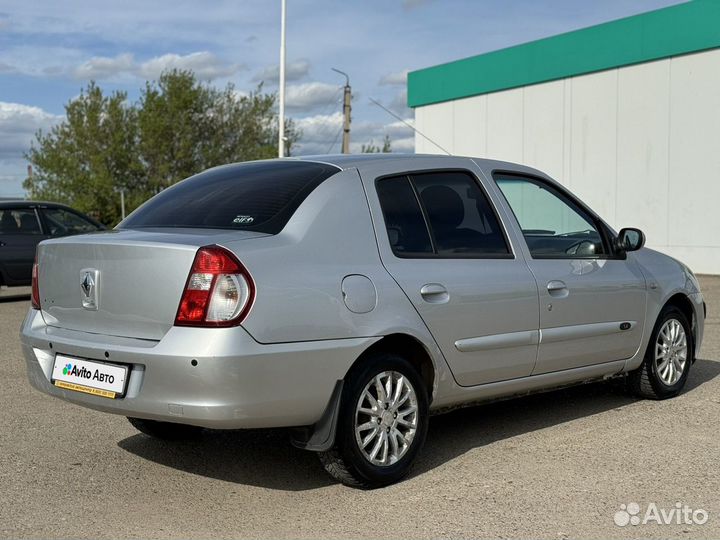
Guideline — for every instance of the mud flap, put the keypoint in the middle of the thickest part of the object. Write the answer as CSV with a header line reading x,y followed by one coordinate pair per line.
x,y
321,436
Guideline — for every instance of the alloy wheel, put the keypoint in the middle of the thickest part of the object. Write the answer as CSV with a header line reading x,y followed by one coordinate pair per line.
x,y
671,352
386,418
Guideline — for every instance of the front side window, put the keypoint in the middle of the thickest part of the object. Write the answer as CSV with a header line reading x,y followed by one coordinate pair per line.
x,y
19,221
62,222
552,224
443,213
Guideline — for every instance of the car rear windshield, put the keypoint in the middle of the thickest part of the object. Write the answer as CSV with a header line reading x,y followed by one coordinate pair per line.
x,y
258,196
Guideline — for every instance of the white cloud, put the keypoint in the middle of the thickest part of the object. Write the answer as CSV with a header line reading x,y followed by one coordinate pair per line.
x,y
321,134
205,64
397,78
293,71
28,58
102,67
398,128
309,96
399,104
18,124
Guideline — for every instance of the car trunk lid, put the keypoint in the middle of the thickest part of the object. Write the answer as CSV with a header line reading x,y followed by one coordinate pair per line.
x,y
124,283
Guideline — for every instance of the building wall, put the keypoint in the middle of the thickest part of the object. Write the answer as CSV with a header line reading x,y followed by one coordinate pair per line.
x,y
640,144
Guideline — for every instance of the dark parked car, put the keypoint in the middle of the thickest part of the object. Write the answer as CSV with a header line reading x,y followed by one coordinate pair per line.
x,y
23,224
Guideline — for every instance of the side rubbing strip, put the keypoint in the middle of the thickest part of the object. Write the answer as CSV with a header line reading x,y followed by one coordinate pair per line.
x,y
580,331
498,341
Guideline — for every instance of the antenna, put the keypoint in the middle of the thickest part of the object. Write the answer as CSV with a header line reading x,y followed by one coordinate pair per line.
x,y
408,125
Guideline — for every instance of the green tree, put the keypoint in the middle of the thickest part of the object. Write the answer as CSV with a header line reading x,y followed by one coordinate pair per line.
x,y
371,148
177,128
93,152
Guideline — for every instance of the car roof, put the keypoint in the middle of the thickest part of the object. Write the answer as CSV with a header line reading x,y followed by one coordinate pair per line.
x,y
348,161
21,203
409,161
394,162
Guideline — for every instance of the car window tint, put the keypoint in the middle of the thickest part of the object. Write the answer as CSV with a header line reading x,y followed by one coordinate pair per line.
x,y
553,226
406,228
19,221
63,222
259,196
461,219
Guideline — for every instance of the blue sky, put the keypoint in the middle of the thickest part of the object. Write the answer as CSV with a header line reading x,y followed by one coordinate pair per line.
x,y
50,50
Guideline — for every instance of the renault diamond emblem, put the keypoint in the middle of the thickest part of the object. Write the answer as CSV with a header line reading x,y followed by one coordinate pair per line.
x,y
88,286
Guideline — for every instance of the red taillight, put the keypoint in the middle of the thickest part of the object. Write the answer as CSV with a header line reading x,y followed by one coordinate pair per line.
x,y
35,297
219,290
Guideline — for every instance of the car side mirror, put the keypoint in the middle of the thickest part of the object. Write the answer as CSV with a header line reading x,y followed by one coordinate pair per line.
x,y
630,239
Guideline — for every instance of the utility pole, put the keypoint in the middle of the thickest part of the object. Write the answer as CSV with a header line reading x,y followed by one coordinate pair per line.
x,y
281,91
347,97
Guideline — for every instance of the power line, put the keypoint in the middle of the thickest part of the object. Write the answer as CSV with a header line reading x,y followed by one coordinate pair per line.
x,y
325,129
409,125
333,101
337,135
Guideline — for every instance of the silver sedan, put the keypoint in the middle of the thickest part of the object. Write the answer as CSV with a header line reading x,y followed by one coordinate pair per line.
x,y
349,297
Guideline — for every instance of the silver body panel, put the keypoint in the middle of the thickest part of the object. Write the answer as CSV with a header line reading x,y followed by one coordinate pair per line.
x,y
328,288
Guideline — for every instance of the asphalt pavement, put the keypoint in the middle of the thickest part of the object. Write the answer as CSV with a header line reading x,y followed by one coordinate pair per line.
x,y
568,463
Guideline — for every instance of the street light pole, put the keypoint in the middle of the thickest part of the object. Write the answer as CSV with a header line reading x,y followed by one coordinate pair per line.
x,y
281,92
347,97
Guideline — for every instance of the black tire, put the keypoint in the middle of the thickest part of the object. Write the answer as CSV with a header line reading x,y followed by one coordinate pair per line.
x,y
645,381
345,461
167,431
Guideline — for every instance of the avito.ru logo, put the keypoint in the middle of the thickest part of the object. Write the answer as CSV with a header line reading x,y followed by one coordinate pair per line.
x,y
680,514
84,373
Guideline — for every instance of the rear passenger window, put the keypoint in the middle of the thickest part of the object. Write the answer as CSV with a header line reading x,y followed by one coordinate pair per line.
x,y
19,221
461,219
406,228
441,213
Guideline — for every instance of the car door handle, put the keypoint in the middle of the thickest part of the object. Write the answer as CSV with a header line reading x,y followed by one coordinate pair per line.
x,y
2,243
434,293
557,288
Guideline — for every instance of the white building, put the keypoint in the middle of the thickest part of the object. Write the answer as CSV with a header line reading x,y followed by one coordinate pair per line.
x,y
626,114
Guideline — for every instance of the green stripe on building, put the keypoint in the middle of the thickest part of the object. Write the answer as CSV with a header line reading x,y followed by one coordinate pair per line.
x,y
672,31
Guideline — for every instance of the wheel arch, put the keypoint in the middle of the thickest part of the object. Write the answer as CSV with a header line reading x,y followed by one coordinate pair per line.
x,y
683,303
410,348
321,436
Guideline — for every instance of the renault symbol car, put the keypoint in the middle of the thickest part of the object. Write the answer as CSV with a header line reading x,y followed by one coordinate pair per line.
x,y
349,297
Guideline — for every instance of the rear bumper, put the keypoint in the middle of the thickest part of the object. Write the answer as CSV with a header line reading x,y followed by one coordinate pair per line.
x,y
236,382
